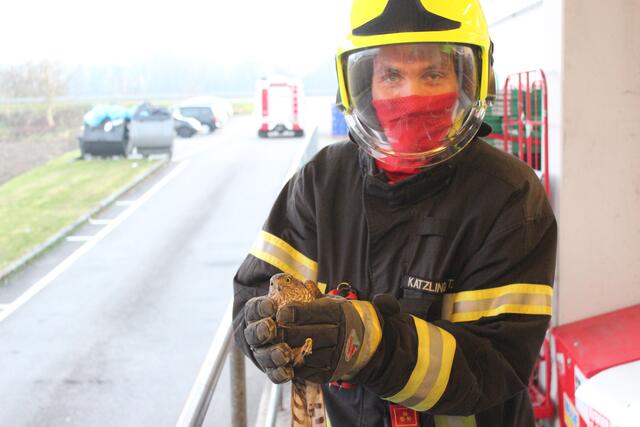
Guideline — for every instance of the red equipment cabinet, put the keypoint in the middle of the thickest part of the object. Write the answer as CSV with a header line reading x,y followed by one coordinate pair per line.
x,y
589,346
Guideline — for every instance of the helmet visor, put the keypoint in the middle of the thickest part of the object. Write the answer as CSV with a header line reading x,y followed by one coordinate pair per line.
x,y
414,104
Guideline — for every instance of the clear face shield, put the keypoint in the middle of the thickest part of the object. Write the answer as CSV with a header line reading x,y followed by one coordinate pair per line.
x,y
414,105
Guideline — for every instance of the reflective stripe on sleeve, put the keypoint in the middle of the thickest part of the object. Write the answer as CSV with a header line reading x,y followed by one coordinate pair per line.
x,y
448,421
275,251
521,298
372,333
436,348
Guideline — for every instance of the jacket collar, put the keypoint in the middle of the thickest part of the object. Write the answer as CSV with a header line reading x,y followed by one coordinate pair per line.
x,y
411,190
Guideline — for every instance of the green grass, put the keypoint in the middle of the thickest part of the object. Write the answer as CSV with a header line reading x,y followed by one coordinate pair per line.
x,y
242,107
36,205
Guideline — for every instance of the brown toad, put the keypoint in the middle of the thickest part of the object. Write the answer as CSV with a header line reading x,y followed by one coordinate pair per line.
x,y
307,403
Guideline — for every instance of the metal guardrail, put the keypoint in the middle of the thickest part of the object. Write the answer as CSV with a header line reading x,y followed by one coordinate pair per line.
x,y
195,408
197,404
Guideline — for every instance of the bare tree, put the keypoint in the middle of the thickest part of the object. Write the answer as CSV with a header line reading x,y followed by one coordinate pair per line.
x,y
43,79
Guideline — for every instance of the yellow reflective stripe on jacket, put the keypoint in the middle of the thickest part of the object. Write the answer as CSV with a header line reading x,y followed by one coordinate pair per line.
x,y
275,251
449,421
436,348
372,333
521,298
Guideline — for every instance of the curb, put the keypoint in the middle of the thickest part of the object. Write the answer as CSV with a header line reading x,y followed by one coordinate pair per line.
x,y
35,252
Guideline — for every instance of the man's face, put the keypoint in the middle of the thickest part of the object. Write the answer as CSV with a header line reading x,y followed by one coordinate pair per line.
x,y
405,70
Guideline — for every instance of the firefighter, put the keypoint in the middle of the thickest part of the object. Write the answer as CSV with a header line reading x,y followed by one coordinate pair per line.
x,y
448,242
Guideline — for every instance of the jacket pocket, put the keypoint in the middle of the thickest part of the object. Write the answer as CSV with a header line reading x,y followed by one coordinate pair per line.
x,y
428,275
431,252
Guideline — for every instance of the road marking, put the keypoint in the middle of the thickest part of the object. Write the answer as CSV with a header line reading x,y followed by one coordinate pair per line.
x,y
99,221
71,259
78,238
3,306
125,202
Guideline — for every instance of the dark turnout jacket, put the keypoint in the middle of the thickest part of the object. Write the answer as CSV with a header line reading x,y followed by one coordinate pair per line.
x,y
468,249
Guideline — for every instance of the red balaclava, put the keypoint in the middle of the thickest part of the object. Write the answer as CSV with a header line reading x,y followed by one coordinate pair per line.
x,y
413,124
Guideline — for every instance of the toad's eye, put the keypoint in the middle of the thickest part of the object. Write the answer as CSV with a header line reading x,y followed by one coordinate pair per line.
x,y
287,279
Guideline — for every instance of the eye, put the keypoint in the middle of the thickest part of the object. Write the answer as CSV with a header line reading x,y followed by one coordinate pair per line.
x,y
287,279
391,76
434,76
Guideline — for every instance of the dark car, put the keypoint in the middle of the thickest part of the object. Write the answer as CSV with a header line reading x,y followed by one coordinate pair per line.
x,y
185,127
204,114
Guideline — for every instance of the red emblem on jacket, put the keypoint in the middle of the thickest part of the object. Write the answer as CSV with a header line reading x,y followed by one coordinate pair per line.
x,y
403,417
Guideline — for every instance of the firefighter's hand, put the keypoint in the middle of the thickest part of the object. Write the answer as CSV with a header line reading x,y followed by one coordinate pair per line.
x,y
345,334
261,333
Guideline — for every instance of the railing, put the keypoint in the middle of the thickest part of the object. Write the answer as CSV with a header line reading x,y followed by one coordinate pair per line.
x,y
197,404
526,122
195,408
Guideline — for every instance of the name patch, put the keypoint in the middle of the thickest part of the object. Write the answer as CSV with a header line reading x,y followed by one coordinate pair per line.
x,y
430,286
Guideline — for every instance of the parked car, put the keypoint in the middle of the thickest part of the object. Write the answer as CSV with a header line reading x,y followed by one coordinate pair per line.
x,y
186,127
211,112
222,108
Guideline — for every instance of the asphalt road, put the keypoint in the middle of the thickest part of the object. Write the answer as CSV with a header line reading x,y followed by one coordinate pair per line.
x,y
131,302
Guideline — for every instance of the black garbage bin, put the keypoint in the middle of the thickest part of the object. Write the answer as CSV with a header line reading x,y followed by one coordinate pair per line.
x,y
109,138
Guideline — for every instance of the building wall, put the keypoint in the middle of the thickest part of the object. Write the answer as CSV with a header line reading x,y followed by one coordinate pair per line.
x,y
590,52
600,186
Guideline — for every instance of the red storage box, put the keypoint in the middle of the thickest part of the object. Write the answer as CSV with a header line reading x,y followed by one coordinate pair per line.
x,y
589,346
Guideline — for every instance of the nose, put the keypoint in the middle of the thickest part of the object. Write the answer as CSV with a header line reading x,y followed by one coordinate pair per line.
x,y
414,86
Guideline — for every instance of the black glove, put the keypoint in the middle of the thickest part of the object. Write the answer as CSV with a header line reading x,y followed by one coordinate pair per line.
x,y
345,335
274,356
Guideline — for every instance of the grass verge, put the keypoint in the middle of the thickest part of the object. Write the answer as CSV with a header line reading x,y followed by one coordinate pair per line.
x,y
36,205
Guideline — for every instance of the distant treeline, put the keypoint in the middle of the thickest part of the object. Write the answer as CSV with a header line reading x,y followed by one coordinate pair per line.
x,y
180,78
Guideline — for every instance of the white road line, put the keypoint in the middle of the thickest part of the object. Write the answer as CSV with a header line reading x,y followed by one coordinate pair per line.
x,y
3,306
78,238
99,221
71,259
125,202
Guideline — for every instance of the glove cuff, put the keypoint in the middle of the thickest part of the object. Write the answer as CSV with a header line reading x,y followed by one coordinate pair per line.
x,y
363,333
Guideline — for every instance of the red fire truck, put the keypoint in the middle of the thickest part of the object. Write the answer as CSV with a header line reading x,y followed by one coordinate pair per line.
x,y
278,103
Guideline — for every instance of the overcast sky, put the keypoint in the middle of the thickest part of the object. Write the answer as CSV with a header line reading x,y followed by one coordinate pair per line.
x,y
301,33
297,34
